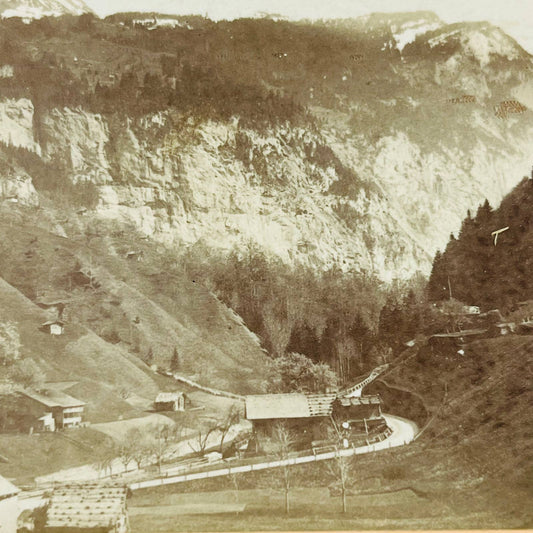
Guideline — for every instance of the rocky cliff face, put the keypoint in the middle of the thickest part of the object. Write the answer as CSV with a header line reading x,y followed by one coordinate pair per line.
x,y
35,9
391,170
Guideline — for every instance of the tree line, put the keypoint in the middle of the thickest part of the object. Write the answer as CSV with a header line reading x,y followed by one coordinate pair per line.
x,y
342,320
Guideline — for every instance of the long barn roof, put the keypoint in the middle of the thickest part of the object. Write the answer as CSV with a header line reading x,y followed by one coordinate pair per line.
x,y
53,398
292,405
88,506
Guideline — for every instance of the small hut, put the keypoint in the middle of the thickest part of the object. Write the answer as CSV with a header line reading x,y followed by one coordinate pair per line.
x,y
54,327
170,401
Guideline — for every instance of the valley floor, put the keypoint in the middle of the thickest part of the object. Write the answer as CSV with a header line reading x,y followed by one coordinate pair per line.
x,y
312,509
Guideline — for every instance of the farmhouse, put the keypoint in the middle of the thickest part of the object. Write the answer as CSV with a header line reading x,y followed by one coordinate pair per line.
x,y
87,508
170,401
9,509
65,410
504,328
54,327
360,414
308,415
311,417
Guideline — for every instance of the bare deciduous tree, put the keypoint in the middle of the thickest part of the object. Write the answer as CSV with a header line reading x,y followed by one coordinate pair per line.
x,y
282,440
162,437
232,417
199,444
126,450
104,459
341,469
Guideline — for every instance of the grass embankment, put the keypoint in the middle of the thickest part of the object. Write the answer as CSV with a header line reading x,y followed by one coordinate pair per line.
x,y
35,455
134,307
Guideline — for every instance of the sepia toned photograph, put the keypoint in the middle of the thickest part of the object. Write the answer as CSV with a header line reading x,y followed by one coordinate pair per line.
x,y
266,265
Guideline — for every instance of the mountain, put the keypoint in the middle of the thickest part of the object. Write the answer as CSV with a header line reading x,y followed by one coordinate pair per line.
x,y
36,9
357,144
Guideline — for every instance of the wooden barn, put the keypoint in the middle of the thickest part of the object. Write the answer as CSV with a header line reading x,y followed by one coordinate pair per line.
x,y
307,415
170,401
87,508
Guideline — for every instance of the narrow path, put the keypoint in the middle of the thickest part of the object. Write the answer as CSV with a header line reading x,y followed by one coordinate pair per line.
x,y
403,432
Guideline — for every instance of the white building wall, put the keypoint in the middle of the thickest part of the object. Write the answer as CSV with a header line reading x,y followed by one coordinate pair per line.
x,y
9,513
56,329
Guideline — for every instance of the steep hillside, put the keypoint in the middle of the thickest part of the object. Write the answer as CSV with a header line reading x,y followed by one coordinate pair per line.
x,y
355,144
486,269
117,311
479,437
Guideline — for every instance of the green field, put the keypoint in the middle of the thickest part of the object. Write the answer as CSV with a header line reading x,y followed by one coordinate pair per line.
x,y
312,509
35,455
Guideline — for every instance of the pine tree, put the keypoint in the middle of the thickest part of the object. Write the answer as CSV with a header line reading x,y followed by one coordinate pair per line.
x,y
175,361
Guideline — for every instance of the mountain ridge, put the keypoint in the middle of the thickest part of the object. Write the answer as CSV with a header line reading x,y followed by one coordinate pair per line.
x,y
360,158
36,9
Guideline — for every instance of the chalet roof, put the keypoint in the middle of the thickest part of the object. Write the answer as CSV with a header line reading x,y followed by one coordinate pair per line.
x,y
164,397
54,398
293,405
86,506
53,303
459,334
52,322
7,488
360,400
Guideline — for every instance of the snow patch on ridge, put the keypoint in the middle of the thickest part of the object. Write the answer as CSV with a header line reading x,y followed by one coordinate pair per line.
x,y
482,44
409,31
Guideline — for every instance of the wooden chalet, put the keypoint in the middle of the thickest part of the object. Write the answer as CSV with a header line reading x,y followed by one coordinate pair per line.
x,y
65,410
87,508
54,327
358,413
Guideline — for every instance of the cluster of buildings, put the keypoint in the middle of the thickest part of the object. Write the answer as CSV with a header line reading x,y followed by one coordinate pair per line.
x,y
52,410
314,418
